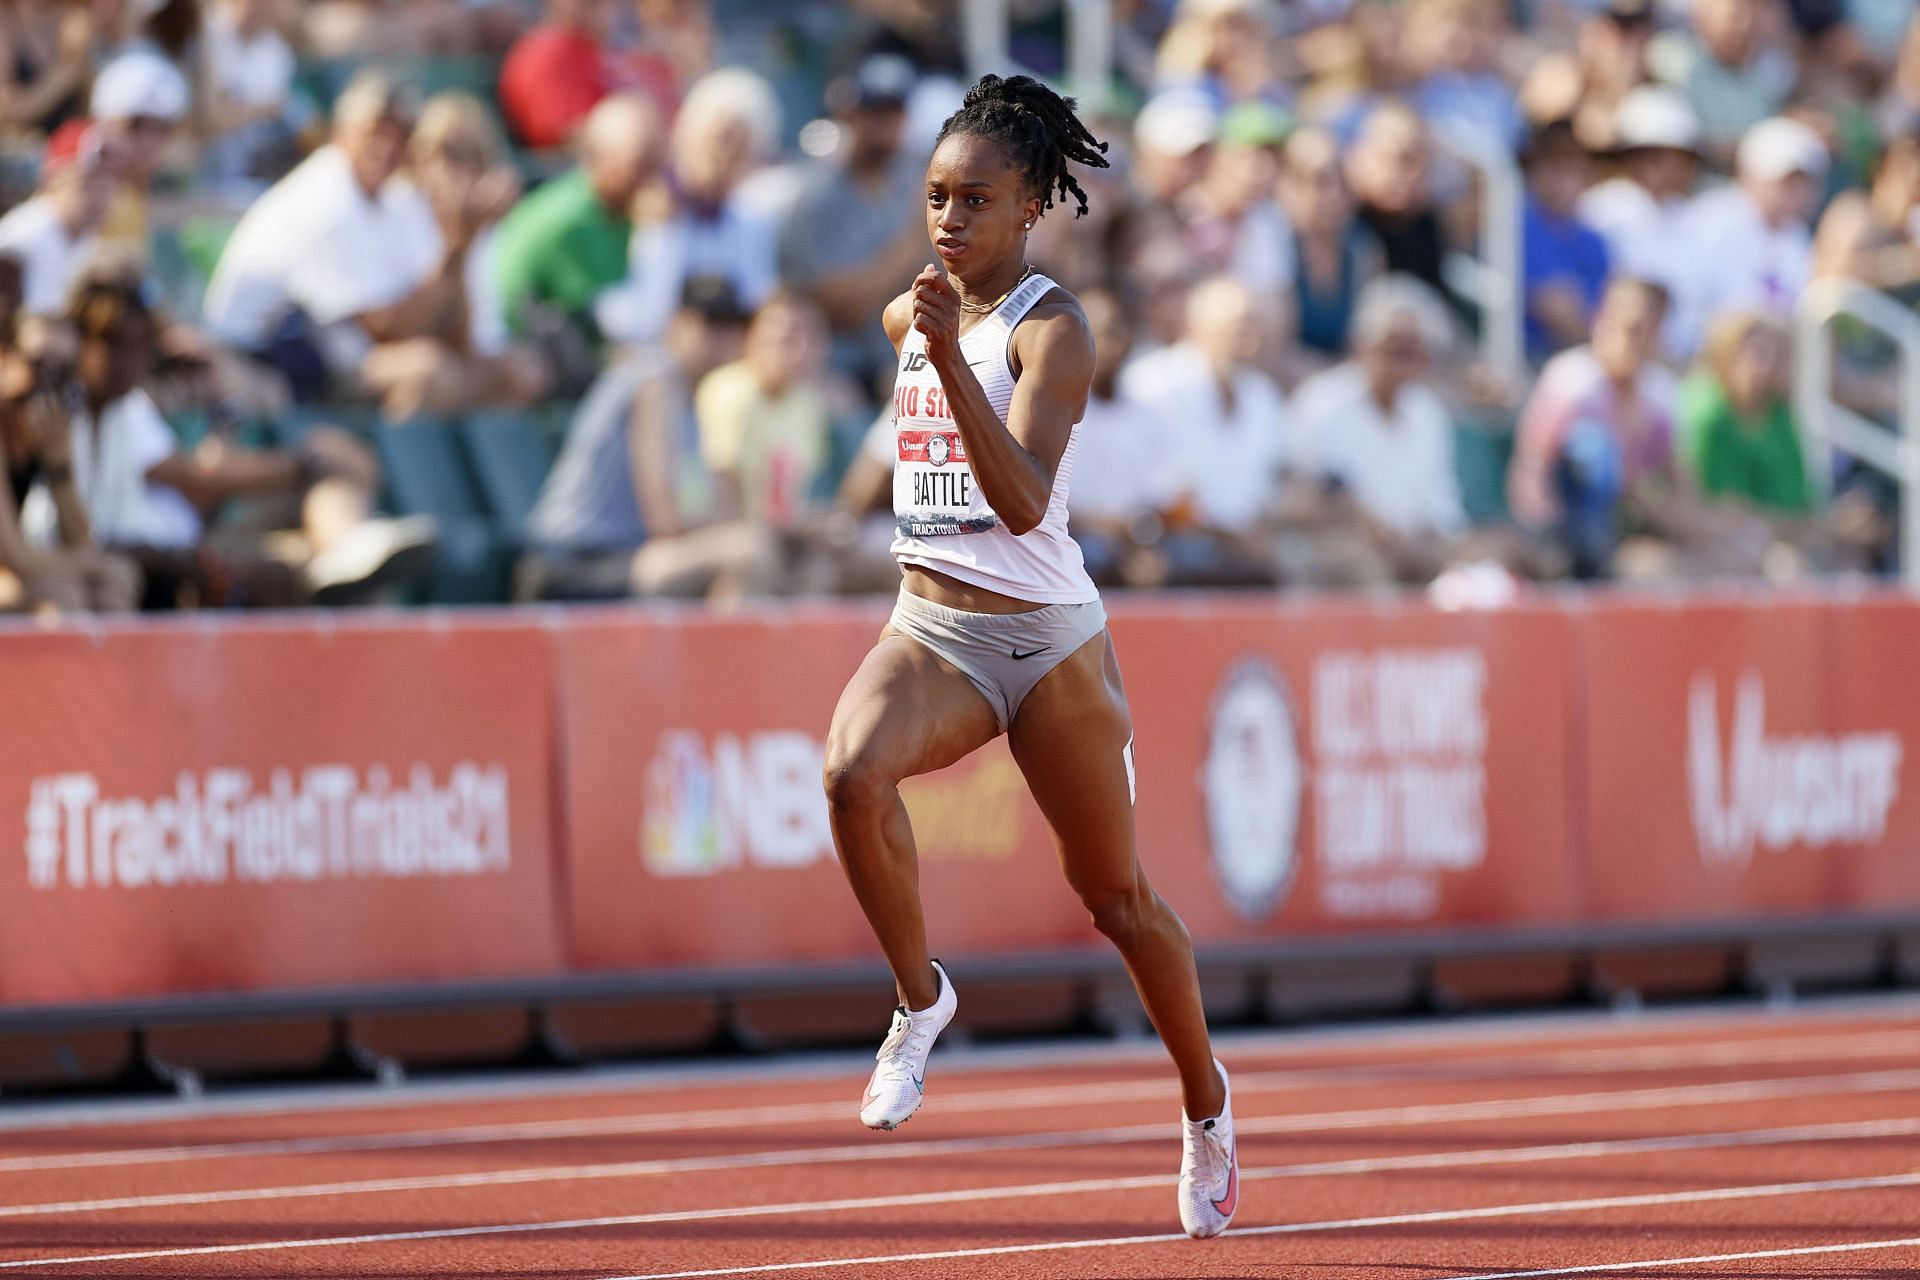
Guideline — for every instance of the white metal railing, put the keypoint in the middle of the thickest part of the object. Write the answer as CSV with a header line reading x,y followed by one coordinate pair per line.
x,y
1826,425
984,24
1491,280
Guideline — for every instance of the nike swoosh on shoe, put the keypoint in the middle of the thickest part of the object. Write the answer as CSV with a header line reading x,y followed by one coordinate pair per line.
x,y
1226,1204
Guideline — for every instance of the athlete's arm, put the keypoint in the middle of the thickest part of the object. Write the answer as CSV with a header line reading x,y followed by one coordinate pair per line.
x,y
1052,355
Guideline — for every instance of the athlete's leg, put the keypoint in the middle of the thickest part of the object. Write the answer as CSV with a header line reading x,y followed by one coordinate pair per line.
x,y
1069,737
904,712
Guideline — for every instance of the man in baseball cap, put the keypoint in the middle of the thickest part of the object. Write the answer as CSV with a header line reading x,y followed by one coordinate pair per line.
x,y
1642,211
1751,238
139,100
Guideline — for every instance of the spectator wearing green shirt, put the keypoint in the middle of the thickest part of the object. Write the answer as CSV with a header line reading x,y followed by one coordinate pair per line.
x,y
1742,446
567,242
1736,421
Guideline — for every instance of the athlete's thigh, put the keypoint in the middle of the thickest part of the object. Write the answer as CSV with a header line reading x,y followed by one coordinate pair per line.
x,y
1070,738
907,711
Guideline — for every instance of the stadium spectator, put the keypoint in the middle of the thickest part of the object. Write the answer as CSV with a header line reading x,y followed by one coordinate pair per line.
x,y
766,419
558,72
1642,211
459,159
1374,431
54,234
567,243
618,515
139,102
1387,168
1563,262
1612,57
670,47
249,88
1334,255
47,50
346,279
1225,48
1117,492
1873,236
1229,219
704,224
36,449
857,229
1736,426
1455,47
1229,441
1595,438
1733,77
147,498
1750,240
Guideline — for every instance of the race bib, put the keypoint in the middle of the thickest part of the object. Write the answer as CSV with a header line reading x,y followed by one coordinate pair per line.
x,y
934,493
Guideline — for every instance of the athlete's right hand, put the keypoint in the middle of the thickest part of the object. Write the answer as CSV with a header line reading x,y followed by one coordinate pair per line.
x,y
936,310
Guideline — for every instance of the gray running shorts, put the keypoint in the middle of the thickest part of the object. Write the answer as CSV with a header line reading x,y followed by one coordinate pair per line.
x,y
1003,654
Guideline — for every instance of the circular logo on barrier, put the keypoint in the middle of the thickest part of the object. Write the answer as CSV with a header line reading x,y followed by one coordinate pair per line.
x,y
1252,780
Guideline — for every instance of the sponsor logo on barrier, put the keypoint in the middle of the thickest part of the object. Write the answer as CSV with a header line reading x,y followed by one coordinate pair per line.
x,y
1772,791
754,800
1252,780
323,822
1399,750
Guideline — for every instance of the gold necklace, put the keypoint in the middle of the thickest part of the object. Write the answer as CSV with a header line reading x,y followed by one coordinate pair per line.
x,y
981,308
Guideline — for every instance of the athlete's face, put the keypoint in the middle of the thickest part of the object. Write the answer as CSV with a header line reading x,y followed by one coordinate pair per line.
x,y
978,207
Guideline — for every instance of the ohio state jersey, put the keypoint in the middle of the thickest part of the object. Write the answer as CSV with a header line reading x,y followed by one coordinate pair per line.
x,y
944,522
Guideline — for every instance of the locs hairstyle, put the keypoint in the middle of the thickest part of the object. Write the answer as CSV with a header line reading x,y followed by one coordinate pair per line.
x,y
1038,130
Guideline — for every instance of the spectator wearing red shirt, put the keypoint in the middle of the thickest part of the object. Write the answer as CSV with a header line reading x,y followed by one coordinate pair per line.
x,y
558,72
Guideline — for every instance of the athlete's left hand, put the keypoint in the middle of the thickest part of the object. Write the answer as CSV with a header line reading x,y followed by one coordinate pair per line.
x,y
936,310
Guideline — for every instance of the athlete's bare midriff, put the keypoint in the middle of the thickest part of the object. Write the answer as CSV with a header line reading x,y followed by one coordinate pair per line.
x,y
931,584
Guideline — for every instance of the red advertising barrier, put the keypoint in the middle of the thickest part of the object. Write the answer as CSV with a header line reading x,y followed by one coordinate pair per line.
x,y
1749,759
278,805
1299,771
274,806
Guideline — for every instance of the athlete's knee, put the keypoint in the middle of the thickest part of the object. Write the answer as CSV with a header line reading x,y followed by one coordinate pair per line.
x,y
1122,914
856,783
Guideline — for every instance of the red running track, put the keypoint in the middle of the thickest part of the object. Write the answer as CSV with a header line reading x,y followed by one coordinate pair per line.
x,y
1705,1145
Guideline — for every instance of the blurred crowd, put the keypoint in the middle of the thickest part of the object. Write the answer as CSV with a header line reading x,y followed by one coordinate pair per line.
x,y
254,252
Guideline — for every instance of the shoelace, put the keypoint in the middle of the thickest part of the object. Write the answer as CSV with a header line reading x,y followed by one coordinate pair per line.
x,y
900,1039
1207,1145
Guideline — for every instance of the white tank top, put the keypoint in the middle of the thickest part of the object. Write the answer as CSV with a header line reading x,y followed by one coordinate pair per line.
x,y
943,519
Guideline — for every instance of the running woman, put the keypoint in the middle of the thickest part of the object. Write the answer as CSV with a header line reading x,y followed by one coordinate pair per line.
x,y
998,628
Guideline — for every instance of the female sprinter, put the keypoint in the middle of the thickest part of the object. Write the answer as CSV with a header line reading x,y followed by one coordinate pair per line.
x,y
998,629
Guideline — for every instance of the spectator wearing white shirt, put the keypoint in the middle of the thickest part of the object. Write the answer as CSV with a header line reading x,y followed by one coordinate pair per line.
x,y
249,77
53,235
1120,487
1751,240
1642,213
1373,429
703,225
345,277
1226,425
143,494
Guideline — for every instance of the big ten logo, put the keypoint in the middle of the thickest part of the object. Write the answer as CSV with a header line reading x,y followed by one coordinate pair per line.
x,y
911,401
1777,791
1399,746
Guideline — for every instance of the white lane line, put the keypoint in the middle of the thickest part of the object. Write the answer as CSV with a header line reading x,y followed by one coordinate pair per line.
x,y
1711,1194
1464,1158
1502,1034
1798,1049
1373,1118
1804,1251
